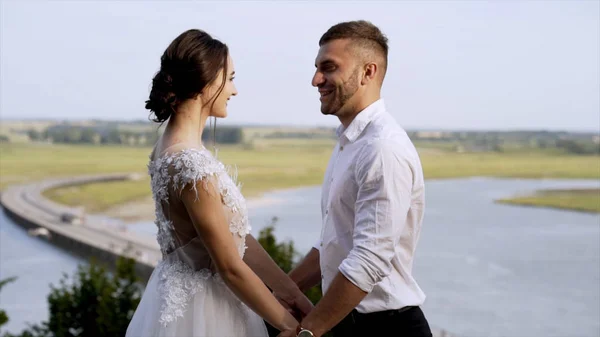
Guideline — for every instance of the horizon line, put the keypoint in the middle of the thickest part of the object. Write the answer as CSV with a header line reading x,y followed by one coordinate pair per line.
x,y
302,125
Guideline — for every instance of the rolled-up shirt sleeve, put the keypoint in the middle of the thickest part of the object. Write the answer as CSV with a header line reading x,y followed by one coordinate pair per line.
x,y
317,244
384,179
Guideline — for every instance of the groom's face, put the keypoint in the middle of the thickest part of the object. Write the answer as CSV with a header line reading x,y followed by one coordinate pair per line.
x,y
336,76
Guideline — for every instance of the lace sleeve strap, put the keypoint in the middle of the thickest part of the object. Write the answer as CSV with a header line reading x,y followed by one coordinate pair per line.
x,y
192,167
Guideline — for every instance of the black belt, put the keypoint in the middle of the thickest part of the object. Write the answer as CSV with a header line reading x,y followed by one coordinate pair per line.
x,y
386,313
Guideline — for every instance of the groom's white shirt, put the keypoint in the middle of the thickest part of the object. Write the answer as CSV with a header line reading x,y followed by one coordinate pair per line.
x,y
372,206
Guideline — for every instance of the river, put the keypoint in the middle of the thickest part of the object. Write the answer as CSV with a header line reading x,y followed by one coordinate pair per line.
x,y
487,269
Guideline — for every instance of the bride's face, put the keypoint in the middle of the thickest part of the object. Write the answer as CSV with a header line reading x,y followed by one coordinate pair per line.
x,y
219,108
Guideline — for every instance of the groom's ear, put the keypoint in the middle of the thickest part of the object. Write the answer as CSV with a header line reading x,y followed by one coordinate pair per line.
x,y
370,70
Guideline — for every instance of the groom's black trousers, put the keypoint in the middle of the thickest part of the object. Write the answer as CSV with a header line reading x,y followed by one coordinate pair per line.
x,y
408,321
405,322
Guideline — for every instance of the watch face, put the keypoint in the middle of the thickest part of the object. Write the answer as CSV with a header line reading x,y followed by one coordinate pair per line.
x,y
305,333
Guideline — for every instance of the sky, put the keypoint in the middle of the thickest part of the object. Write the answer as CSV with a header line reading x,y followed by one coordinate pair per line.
x,y
470,65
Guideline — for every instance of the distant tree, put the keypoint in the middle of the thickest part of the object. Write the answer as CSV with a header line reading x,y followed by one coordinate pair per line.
x,y
575,147
73,135
34,135
112,137
56,136
90,136
231,136
543,143
150,138
223,135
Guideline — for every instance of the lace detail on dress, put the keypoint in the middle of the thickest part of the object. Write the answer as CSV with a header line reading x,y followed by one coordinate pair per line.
x,y
160,192
164,236
191,166
234,200
177,284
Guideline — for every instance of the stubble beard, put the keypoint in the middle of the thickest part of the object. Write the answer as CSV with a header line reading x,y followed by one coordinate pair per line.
x,y
342,95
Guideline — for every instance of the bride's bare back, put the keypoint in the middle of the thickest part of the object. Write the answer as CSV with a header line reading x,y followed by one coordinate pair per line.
x,y
182,167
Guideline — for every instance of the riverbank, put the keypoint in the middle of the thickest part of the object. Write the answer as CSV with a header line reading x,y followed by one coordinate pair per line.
x,y
582,200
75,231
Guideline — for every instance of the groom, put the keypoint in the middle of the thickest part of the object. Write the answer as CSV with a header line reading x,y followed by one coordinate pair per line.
x,y
372,200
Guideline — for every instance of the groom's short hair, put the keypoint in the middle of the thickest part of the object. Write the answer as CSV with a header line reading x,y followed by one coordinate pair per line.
x,y
365,37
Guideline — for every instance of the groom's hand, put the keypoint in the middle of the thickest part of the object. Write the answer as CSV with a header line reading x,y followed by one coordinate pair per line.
x,y
297,303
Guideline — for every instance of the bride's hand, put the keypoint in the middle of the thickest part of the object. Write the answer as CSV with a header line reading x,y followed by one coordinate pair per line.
x,y
287,333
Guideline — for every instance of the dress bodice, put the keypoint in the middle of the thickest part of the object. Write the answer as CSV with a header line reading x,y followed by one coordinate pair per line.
x,y
186,261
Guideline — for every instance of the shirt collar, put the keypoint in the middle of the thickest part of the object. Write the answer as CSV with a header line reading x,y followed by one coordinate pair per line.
x,y
360,122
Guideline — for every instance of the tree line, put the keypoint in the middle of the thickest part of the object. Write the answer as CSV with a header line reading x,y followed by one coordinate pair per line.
x,y
75,134
584,143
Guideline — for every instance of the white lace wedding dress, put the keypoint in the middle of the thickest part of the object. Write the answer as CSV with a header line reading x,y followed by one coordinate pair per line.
x,y
184,296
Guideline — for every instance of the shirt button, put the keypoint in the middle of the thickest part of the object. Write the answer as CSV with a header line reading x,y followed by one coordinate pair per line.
x,y
341,148
326,211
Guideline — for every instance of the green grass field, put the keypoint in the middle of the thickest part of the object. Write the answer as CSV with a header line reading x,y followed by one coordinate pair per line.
x,y
26,162
98,197
271,164
510,165
585,200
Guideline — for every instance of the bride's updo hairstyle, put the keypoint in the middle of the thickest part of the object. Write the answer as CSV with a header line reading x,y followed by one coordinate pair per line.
x,y
191,62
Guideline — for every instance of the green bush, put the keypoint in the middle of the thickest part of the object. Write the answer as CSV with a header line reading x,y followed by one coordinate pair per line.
x,y
284,254
3,316
95,302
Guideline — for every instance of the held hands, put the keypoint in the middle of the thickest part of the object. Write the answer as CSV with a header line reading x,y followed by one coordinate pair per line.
x,y
287,333
296,303
291,333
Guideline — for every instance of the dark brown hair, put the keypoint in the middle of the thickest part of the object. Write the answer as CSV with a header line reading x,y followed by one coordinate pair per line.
x,y
363,34
191,62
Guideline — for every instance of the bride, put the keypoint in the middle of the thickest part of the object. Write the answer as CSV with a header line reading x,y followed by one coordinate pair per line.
x,y
214,277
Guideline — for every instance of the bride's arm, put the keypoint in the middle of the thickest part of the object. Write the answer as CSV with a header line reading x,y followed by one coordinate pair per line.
x,y
269,272
206,212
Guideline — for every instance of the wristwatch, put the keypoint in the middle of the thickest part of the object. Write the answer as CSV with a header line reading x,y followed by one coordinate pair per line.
x,y
301,332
